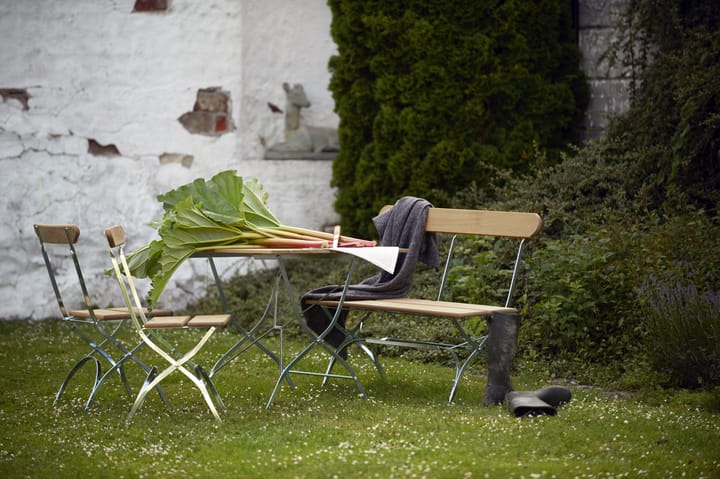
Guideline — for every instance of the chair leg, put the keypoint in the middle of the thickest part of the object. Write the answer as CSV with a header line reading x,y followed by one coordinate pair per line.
x,y
140,399
151,382
132,354
373,357
475,345
97,353
459,369
199,378
72,372
203,376
364,348
118,367
99,381
351,337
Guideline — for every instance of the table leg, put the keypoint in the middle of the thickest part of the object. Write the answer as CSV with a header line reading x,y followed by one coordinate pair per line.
x,y
248,336
318,340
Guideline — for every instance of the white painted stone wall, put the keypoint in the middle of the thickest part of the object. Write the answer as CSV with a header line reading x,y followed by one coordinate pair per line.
x,y
94,70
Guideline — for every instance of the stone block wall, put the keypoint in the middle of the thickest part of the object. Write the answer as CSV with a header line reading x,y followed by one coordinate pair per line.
x,y
609,85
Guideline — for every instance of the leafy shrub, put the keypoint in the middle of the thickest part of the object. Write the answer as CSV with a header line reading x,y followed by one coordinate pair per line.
x,y
590,187
683,327
570,298
599,242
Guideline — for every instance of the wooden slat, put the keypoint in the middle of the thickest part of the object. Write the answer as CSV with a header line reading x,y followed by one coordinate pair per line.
x,y
425,307
148,312
115,236
209,320
55,234
511,224
161,322
101,314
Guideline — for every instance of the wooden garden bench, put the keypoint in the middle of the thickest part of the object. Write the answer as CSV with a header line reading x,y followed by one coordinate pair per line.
x,y
513,226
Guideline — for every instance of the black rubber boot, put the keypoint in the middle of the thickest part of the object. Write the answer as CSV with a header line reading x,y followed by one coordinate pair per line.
x,y
526,404
539,402
503,330
554,395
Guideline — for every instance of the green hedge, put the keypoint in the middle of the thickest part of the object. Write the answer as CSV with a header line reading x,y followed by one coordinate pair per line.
x,y
433,95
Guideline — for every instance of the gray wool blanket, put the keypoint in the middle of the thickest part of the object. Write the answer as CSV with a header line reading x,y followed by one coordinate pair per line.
x,y
403,225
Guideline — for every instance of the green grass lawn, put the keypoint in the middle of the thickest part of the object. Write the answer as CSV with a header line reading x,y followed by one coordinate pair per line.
x,y
405,428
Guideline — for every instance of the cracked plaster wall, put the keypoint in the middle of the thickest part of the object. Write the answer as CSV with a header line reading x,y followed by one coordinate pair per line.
x,y
98,74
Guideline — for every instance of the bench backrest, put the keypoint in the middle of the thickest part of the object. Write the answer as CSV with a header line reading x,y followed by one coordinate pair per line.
x,y
507,224
510,224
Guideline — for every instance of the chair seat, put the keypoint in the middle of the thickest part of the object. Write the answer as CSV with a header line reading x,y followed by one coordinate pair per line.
x,y
114,314
200,321
148,312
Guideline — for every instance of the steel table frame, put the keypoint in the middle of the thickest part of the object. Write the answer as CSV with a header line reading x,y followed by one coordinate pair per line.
x,y
251,336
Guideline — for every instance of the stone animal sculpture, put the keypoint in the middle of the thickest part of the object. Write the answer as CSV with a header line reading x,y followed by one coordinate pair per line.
x,y
300,137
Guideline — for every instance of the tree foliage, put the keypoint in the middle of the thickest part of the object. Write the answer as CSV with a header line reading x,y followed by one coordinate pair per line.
x,y
435,94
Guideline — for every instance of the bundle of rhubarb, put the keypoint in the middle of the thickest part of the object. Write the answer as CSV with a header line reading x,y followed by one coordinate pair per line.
x,y
226,211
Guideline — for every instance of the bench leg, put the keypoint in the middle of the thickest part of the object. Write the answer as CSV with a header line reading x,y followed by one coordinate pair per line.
x,y
502,341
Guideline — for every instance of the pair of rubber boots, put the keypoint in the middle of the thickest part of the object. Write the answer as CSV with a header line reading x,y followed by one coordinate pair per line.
x,y
503,331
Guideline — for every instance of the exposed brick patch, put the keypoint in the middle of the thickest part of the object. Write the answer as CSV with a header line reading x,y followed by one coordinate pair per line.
x,y
212,99
19,94
96,149
220,123
150,5
211,113
274,108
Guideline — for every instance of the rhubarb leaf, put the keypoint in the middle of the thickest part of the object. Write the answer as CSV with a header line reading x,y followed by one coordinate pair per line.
x,y
224,211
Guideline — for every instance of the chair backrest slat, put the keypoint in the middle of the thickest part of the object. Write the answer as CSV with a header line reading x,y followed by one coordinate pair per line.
x,y
57,233
115,236
66,235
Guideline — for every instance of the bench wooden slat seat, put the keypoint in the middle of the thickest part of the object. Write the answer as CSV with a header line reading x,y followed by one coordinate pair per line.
x,y
422,307
100,314
114,314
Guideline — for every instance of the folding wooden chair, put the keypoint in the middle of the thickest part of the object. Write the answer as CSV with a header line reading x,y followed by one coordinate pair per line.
x,y
149,331
98,327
